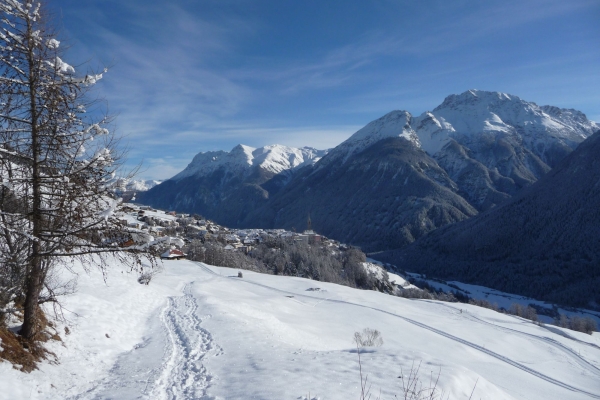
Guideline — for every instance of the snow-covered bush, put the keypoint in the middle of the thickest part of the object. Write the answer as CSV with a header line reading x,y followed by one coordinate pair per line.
x,y
576,323
368,338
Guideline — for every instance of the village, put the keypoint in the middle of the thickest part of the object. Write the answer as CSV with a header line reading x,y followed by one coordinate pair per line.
x,y
170,232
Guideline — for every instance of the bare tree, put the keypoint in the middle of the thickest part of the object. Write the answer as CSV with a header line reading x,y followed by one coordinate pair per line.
x,y
57,158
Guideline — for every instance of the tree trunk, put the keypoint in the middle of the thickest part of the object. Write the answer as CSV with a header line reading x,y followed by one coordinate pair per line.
x,y
35,285
35,281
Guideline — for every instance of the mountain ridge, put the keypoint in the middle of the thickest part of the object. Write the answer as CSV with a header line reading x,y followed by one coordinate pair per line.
x,y
543,242
484,147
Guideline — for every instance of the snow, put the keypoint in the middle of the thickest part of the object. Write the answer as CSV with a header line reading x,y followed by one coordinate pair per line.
x,y
374,267
62,66
53,44
242,159
135,185
503,299
199,331
394,124
469,115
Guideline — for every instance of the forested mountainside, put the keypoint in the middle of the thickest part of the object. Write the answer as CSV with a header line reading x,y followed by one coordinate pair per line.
x,y
394,180
543,243
392,192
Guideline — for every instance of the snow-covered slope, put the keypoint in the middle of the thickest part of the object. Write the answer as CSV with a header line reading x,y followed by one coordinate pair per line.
x,y
476,111
241,160
394,124
200,332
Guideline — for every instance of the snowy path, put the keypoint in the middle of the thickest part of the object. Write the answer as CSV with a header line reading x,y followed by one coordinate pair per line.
x,y
444,334
183,375
168,363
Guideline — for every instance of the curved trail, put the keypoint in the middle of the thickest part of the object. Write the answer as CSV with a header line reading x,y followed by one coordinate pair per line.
x,y
585,364
183,375
429,328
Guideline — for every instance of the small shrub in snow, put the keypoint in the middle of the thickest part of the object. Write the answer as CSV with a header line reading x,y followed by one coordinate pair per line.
x,y
145,278
368,338
523,312
581,324
148,273
484,303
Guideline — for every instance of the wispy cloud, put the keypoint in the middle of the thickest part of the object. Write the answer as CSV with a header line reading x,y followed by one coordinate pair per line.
x,y
182,80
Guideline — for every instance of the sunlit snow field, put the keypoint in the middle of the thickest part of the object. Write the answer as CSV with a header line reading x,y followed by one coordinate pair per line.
x,y
201,332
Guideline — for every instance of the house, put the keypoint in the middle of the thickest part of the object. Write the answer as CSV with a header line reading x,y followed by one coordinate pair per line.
x,y
193,229
157,230
127,243
232,239
173,254
301,238
136,225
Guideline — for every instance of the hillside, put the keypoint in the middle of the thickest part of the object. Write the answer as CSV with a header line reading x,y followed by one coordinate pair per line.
x,y
199,331
543,243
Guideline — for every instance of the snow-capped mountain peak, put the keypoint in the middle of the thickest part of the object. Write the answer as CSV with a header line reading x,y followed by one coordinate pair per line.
x,y
241,159
277,158
131,185
477,111
394,124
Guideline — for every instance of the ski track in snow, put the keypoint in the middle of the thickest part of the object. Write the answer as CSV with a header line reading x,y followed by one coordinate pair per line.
x,y
183,375
429,328
585,364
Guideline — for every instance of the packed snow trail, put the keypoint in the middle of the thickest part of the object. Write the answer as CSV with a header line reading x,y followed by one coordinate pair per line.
x,y
429,328
168,363
183,376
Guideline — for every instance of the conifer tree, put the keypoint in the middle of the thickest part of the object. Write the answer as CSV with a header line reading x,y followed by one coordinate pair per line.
x,y
57,158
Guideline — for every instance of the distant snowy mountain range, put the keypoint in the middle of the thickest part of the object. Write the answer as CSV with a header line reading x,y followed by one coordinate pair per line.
x,y
241,160
132,185
394,180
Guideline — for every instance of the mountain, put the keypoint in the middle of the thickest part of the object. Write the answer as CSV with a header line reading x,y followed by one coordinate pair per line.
x,y
128,188
493,144
390,193
544,242
137,185
225,186
394,180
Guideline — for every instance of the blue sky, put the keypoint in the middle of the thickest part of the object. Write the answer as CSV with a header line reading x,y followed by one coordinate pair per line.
x,y
187,76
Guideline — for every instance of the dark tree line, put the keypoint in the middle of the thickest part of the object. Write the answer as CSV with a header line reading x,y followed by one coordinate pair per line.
x,y
294,258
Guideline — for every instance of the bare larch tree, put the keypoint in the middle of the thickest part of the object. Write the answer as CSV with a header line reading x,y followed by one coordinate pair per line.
x,y
57,157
